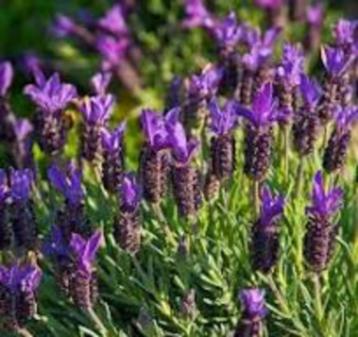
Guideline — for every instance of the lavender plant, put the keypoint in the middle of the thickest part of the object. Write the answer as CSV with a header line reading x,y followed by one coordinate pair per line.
x,y
160,274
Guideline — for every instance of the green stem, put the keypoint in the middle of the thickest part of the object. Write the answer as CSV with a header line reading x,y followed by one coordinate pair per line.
x,y
286,145
256,198
97,322
318,298
299,178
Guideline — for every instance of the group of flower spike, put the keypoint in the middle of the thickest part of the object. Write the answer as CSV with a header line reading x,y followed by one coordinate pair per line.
x,y
257,93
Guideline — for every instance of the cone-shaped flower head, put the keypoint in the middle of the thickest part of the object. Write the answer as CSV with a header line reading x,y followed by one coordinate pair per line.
x,y
324,204
97,109
24,278
114,21
67,183
6,76
253,302
310,91
260,46
21,182
130,193
335,61
100,83
228,32
205,85
263,112
315,14
343,32
112,141
291,67
84,251
223,120
183,149
197,15
271,207
269,4
51,96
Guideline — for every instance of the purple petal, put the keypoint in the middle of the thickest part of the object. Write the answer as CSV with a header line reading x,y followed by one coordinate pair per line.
x,y
93,244
100,82
315,14
253,302
6,76
271,4
21,182
130,192
310,90
114,21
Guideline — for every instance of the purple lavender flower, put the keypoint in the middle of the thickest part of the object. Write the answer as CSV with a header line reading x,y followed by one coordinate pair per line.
x,y
113,158
52,97
336,151
21,182
100,83
265,237
256,62
130,193
21,146
202,88
335,61
154,162
6,76
336,64
315,15
258,137
18,287
343,33
114,21
292,64
22,212
306,121
32,66
5,225
63,26
57,248
228,33
127,229
71,216
68,183
174,95
83,278
223,121
185,177
288,75
264,108
96,111
197,15
205,85
112,49
6,116
254,311
183,149
321,232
